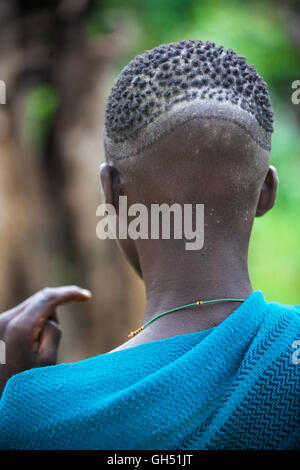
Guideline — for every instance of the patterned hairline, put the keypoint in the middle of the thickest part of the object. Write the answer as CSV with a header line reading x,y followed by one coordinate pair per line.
x,y
173,119
155,81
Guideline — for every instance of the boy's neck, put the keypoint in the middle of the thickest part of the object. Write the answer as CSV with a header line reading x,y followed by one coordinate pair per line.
x,y
174,278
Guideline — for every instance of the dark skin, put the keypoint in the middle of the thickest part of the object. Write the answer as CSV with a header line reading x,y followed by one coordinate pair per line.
x,y
188,166
31,331
194,164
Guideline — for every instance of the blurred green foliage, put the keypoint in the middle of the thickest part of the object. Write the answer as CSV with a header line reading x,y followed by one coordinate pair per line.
x,y
253,29
40,106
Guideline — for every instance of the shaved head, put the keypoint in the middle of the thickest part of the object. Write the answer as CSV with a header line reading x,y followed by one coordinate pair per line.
x,y
191,123
204,111
205,152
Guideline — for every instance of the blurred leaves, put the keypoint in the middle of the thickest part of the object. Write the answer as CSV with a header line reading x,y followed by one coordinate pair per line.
x,y
41,104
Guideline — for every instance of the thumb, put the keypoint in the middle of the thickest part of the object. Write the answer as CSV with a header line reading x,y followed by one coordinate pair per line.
x,y
49,343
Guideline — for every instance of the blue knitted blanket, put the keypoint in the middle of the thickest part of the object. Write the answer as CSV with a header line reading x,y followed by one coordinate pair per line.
x,y
234,386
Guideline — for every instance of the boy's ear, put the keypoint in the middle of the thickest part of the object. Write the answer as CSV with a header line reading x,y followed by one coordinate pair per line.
x,y
268,192
112,187
111,183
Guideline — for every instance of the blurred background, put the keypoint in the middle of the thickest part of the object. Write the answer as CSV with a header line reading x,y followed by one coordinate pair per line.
x,y
59,59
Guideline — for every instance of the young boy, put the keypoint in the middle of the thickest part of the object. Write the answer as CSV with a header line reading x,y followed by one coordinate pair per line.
x,y
215,366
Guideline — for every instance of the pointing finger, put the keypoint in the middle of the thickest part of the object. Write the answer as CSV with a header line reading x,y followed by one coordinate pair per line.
x,y
45,301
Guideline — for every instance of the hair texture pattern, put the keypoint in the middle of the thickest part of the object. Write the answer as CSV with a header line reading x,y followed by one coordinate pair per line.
x,y
187,71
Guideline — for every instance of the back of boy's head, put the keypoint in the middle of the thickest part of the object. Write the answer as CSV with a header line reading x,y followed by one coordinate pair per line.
x,y
192,116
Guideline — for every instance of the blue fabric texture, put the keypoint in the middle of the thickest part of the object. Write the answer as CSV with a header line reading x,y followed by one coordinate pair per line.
x,y
234,386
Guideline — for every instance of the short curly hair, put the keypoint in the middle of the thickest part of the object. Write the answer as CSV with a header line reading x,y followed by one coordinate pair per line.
x,y
152,83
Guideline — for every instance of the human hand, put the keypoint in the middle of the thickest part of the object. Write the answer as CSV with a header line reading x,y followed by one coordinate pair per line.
x,y
30,330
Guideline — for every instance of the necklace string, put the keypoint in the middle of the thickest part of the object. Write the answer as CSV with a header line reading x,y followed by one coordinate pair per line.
x,y
198,303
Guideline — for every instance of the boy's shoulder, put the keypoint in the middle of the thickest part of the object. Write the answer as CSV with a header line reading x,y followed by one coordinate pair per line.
x,y
289,309
284,317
